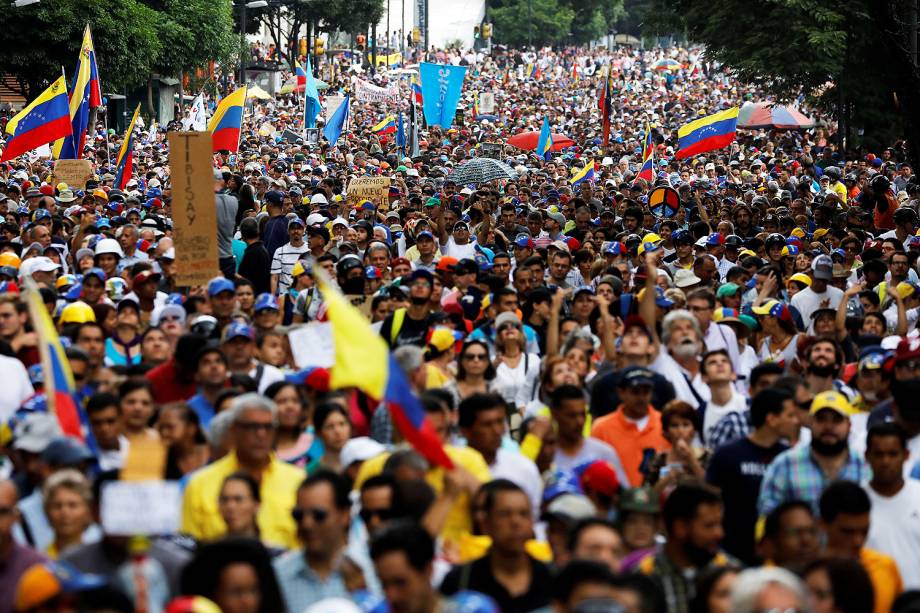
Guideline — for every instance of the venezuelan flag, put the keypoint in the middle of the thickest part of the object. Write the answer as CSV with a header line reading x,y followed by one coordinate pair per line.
x,y
506,77
60,388
227,122
386,126
707,133
363,361
300,73
647,171
545,144
416,86
585,174
44,120
84,94
124,167
574,72
531,71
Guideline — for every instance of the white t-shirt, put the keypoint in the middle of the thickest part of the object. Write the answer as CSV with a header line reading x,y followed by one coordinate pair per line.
x,y
808,301
16,384
460,252
592,449
894,529
715,412
667,367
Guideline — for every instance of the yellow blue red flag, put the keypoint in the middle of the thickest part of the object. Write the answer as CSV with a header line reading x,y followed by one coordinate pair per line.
x,y
85,94
585,174
707,133
124,165
44,120
227,122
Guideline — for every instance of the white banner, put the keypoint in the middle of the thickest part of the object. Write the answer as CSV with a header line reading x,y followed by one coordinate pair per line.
x,y
487,103
368,92
198,118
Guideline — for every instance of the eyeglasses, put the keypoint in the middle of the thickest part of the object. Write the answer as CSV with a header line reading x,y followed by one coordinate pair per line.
x,y
368,514
170,318
472,357
255,426
319,515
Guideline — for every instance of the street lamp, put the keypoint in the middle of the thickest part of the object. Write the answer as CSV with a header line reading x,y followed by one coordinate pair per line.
x,y
253,4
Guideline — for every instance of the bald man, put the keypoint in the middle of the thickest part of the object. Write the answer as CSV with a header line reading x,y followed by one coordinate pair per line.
x,y
15,559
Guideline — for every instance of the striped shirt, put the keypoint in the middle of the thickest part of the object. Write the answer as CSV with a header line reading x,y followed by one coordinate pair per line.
x,y
283,263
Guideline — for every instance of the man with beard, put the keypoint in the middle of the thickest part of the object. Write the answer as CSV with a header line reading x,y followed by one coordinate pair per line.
x,y
802,473
409,326
822,365
693,523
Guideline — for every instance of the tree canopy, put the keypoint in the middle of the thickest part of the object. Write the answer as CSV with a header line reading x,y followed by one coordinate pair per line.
x,y
550,22
847,57
133,39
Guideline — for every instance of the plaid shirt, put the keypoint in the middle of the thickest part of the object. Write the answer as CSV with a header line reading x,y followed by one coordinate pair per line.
x,y
730,428
794,475
678,585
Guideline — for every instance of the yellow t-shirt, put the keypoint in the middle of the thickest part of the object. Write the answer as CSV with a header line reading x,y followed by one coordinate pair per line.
x,y
885,577
278,490
459,521
435,378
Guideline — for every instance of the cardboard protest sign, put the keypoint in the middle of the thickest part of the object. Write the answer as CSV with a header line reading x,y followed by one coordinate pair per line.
x,y
75,173
375,189
193,211
313,345
148,508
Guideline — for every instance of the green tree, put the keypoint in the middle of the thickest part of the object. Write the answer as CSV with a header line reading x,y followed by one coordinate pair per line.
x,y
540,22
37,40
850,58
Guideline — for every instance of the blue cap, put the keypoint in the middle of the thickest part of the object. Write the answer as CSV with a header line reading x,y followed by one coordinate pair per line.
x,y
523,241
265,301
95,272
661,300
36,374
41,214
66,451
274,197
220,284
238,329
296,221
423,234
372,272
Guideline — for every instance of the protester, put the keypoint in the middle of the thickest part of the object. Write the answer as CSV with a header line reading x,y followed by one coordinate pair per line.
x,y
584,350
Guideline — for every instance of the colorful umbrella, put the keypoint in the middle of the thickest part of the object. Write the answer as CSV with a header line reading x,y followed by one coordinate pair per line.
x,y
666,64
290,87
528,141
754,115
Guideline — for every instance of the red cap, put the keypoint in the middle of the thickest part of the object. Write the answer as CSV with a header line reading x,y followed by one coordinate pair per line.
x,y
397,261
318,380
144,276
600,477
908,349
46,190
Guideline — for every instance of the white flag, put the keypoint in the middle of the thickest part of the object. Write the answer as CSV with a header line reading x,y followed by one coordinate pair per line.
x,y
198,118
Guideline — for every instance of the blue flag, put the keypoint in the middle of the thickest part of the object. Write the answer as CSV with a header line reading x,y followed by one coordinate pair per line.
x,y
311,106
441,86
400,133
336,123
545,144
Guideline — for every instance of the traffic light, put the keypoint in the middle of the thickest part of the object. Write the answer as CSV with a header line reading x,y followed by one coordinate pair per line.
x,y
303,47
318,47
487,30
416,35
475,31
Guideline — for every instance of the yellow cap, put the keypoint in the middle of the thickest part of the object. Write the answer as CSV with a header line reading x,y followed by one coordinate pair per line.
x,y
800,276
77,313
906,290
832,400
10,259
819,233
745,253
798,232
100,193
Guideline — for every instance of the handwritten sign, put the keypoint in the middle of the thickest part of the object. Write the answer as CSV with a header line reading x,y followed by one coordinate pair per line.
x,y
313,345
193,211
486,103
129,508
375,189
75,173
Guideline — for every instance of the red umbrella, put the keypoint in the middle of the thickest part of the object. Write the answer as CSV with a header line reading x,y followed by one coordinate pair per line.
x,y
528,141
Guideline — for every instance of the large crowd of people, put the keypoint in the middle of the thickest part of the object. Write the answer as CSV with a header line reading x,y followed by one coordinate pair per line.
x,y
708,408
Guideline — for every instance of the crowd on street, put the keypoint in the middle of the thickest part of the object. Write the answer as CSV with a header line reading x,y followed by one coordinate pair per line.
x,y
709,407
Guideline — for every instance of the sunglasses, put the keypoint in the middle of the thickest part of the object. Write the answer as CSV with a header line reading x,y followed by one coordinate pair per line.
x,y
369,514
319,515
472,357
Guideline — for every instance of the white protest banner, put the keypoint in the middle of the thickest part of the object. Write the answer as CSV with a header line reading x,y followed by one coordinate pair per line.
x,y
368,92
313,345
131,508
